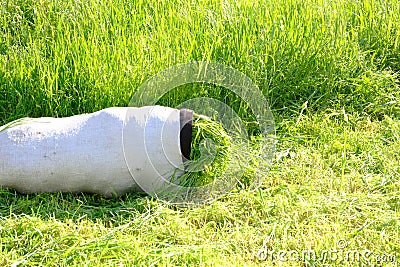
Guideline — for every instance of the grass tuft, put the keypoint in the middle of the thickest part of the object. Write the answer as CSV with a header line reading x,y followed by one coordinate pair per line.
x,y
210,152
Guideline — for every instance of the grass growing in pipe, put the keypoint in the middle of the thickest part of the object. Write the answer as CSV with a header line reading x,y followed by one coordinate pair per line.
x,y
211,151
220,154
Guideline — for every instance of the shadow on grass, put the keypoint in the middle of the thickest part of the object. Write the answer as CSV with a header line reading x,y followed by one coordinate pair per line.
x,y
63,206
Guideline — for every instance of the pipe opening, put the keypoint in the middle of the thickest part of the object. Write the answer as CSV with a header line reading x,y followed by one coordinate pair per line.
x,y
186,121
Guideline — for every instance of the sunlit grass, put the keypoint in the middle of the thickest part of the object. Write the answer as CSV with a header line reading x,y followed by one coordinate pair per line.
x,y
329,69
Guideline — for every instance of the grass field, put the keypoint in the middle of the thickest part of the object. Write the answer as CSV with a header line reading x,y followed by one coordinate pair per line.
x,y
330,71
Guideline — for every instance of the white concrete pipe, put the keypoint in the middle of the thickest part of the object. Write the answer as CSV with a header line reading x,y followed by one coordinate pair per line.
x,y
109,152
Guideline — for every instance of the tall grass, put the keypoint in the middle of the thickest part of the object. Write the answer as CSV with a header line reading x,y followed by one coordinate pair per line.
x,y
329,69
59,58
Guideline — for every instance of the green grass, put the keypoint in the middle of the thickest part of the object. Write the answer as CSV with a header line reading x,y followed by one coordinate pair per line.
x,y
210,152
329,69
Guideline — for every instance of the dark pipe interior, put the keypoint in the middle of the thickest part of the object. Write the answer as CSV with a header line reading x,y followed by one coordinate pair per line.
x,y
186,120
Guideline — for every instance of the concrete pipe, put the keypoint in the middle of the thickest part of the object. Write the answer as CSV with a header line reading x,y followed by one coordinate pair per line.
x,y
92,152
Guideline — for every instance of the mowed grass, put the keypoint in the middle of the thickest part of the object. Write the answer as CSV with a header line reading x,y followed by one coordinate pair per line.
x,y
330,71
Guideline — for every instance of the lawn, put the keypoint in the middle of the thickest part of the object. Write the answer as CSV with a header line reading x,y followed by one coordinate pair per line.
x,y
330,71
